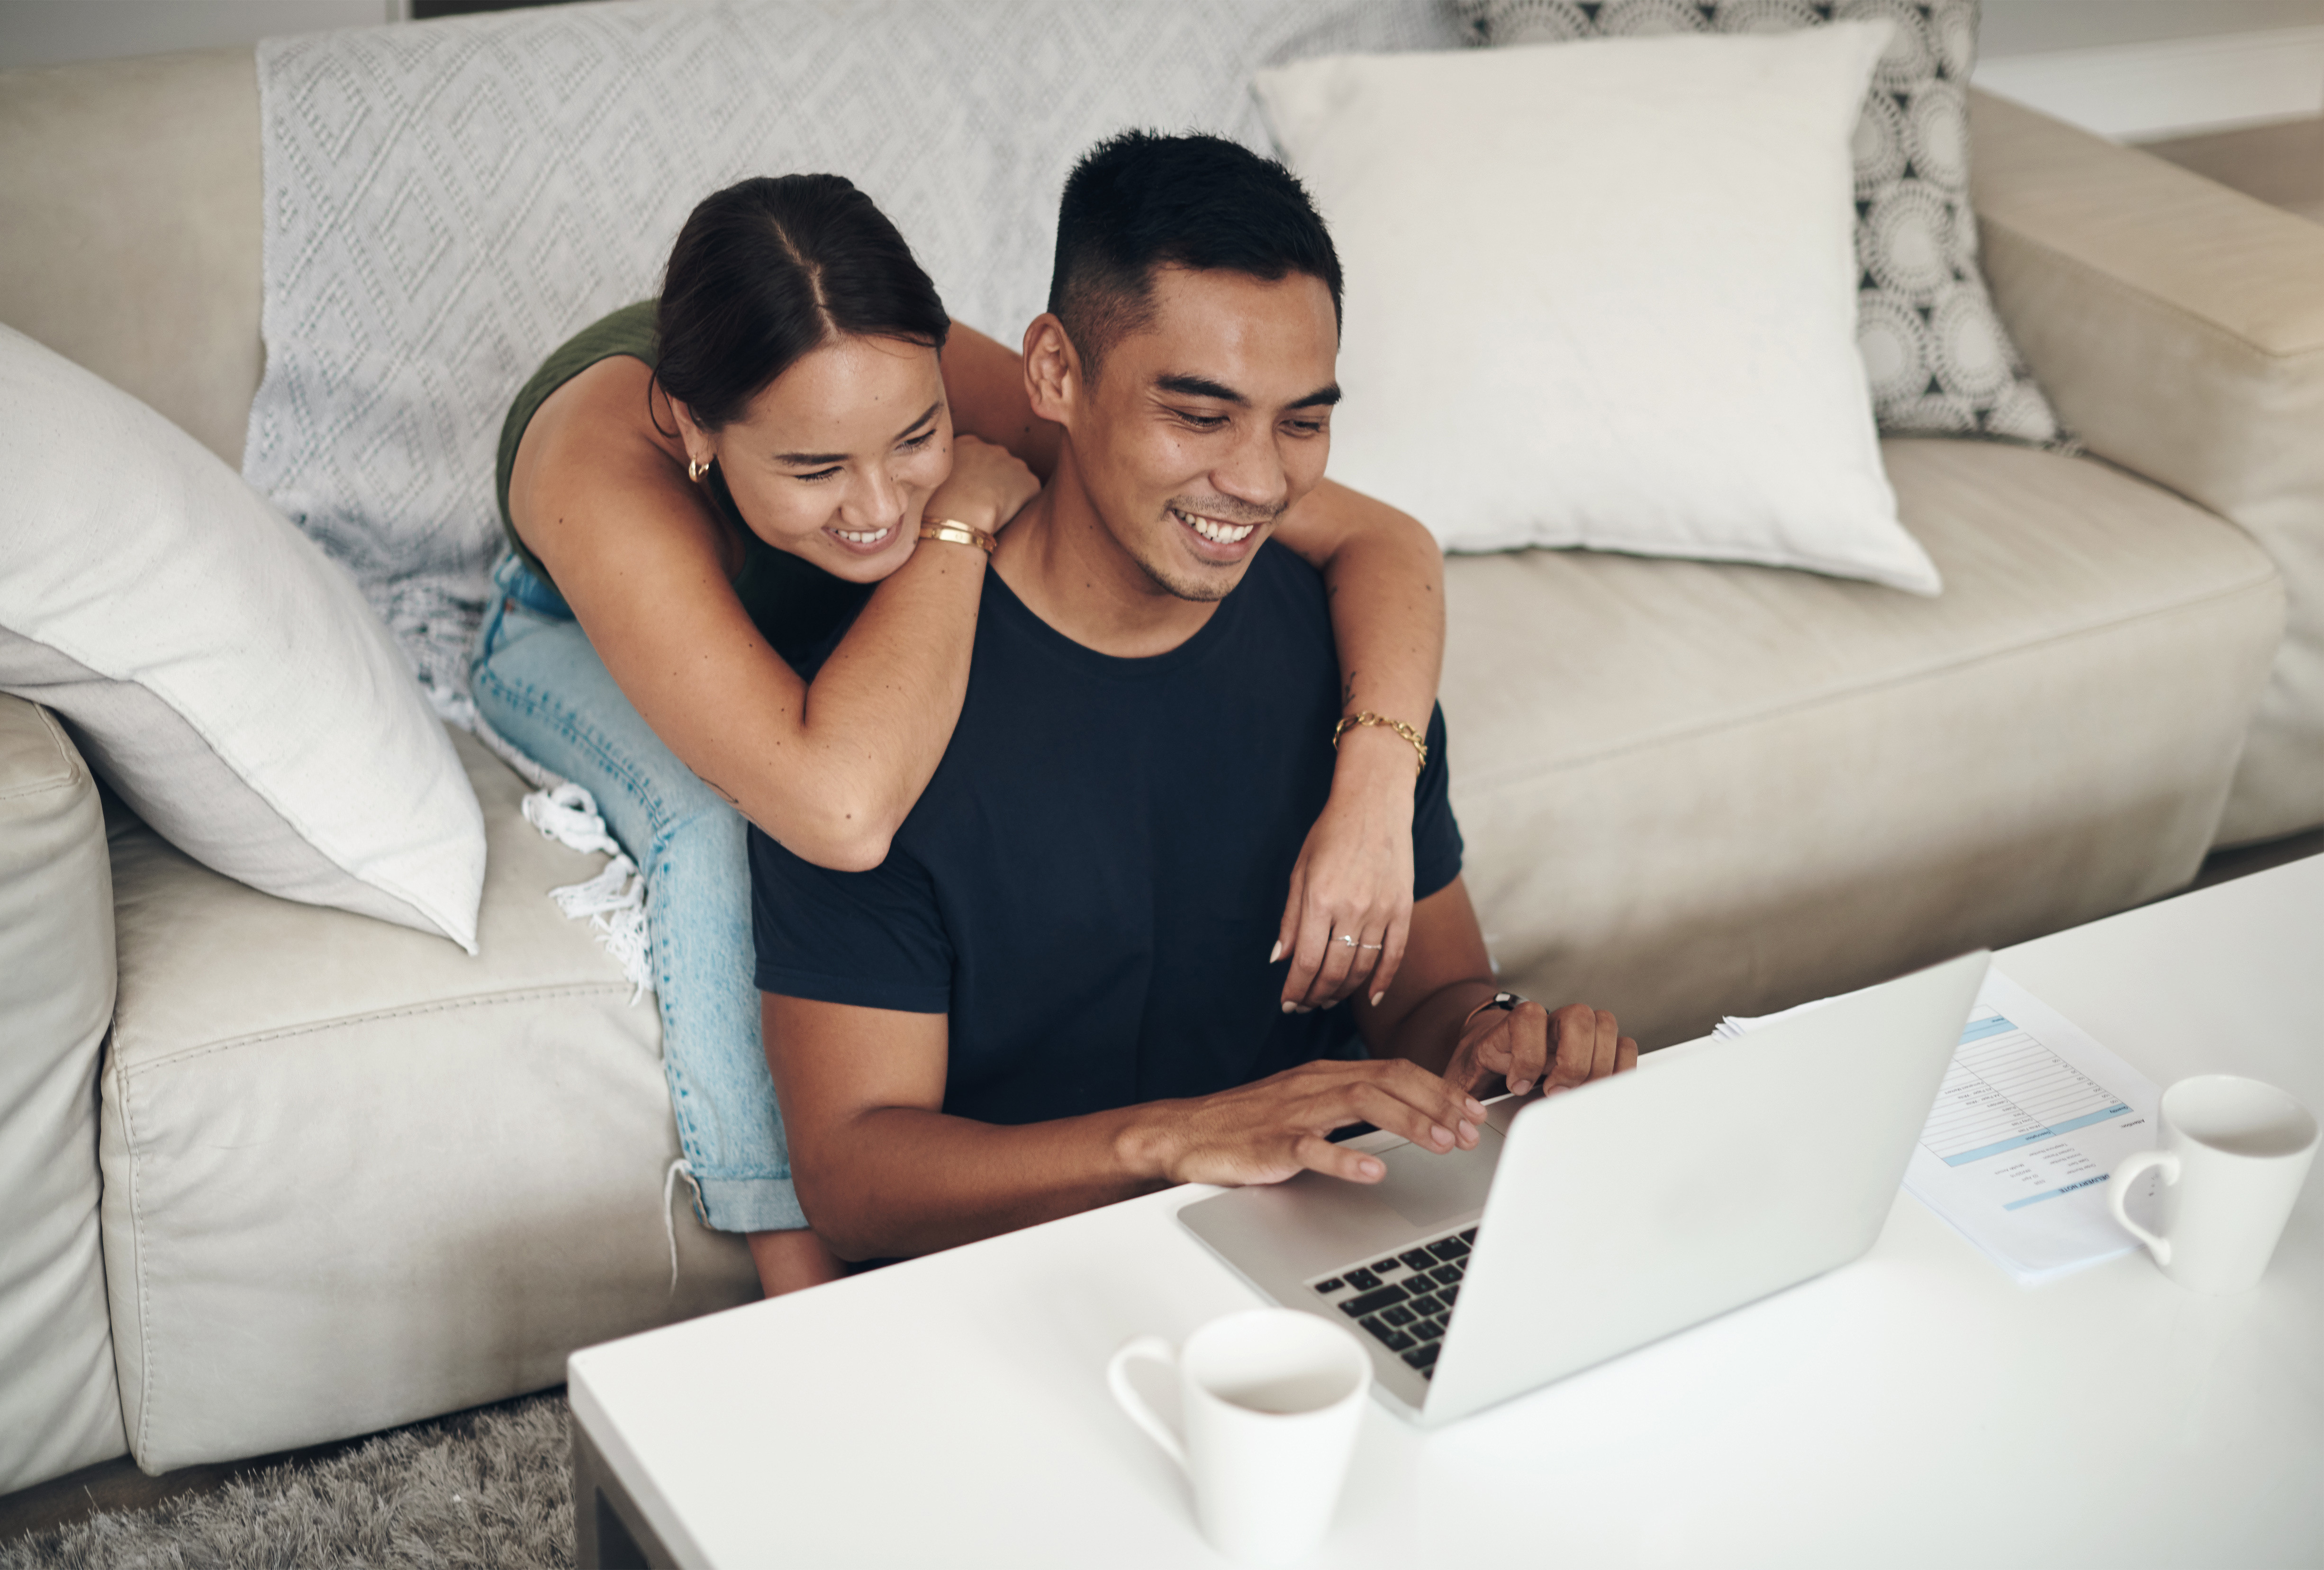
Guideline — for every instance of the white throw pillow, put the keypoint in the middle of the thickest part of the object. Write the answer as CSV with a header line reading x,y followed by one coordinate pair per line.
x,y
218,671
1604,294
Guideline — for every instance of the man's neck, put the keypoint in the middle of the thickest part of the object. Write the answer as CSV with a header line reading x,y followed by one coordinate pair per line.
x,y
1059,557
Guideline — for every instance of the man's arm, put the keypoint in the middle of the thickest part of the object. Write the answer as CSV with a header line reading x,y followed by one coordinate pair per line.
x,y
1446,975
882,1171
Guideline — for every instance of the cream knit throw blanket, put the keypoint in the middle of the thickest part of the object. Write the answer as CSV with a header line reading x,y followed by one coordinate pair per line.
x,y
446,203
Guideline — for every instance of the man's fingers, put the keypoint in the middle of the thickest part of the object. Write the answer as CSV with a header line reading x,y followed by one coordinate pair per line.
x,y
1589,1046
1526,1034
1609,1045
1432,1113
1320,1155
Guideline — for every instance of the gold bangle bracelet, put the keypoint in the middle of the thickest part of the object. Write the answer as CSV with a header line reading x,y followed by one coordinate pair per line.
x,y
1419,745
957,534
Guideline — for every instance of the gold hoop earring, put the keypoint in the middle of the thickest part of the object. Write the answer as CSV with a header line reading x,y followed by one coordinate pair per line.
x,y
694,471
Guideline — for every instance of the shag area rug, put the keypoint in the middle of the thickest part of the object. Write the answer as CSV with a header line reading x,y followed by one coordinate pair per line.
x,y
490,1490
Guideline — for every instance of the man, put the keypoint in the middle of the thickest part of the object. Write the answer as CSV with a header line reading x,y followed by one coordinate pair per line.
x,y
1057,992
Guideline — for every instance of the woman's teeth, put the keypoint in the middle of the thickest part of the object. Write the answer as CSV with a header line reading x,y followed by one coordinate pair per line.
x,y
1212,530
864,536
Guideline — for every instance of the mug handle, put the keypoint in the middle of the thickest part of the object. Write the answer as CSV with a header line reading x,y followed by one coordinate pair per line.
x,y
1117,1375
2120,1183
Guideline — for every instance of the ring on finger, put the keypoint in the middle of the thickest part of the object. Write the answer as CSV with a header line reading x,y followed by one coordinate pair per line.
x,y
1350,939
1371,945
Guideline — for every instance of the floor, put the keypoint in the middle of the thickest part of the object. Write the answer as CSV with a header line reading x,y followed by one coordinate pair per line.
x,y
118,1485
2280,164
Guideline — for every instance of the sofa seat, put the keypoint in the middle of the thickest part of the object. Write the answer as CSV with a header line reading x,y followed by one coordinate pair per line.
x,y
58,1407
354,1176
1692,790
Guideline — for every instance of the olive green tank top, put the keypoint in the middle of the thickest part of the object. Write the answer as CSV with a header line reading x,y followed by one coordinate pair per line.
x,y
796,606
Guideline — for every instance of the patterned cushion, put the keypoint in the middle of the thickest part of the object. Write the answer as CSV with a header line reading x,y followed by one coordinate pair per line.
x,y
1939,361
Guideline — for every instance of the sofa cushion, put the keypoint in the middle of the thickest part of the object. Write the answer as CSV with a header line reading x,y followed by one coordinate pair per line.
x,y
1691,791
354,1176
1604,295
1941,361
58,1407
245,700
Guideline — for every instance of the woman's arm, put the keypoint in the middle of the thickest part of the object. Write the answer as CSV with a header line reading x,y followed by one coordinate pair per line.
x,y
985,382
1386,580
829,771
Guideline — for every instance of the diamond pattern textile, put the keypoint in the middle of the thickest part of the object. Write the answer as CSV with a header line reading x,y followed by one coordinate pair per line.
x,y
1939,361
446,202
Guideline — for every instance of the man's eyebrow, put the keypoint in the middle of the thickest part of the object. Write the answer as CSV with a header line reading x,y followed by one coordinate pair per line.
x,y
1203,387
810,459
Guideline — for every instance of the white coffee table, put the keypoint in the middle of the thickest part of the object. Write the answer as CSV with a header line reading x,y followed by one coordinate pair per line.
x,y
1915,1407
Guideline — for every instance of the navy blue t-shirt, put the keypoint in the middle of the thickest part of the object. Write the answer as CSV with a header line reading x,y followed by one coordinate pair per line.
x,y
1091,883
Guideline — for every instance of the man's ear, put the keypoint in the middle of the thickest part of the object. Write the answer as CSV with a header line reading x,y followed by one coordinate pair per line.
x,y
1053,370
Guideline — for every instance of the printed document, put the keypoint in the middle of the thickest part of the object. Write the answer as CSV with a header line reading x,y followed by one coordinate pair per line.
x,y
2032,1117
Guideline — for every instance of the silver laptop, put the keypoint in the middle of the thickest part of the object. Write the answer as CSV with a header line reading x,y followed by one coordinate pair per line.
x,y
1589,1223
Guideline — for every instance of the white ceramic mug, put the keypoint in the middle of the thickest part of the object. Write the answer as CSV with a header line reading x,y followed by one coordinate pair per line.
x,y
1270,1400
2234,1154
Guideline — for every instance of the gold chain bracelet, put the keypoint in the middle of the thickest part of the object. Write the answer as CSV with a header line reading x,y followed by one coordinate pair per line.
x,y
1419,745
957,534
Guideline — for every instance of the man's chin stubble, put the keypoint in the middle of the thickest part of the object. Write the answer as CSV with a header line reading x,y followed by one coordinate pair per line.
x,y
1201,594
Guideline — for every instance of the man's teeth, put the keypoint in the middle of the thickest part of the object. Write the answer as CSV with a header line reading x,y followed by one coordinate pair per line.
x,y
863,536
1211,528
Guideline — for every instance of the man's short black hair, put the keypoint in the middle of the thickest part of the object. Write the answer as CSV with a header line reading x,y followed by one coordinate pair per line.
x,y
1141,201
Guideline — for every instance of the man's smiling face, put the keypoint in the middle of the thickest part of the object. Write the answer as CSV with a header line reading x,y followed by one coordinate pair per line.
x,y
1202,426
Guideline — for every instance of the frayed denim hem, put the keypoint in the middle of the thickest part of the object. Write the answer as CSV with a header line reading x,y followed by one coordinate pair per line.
x,y
750,1204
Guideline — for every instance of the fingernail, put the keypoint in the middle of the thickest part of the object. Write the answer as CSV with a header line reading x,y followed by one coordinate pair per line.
x,y
1468,1132
1371,1169
1519,1087
1275,953
1289,1007
1375,999
1476,1108
1439,1135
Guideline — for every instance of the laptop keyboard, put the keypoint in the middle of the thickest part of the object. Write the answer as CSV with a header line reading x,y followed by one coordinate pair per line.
x,y
1406,1301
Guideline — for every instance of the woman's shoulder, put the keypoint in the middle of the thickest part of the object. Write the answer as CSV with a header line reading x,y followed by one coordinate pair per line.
x,y
628,333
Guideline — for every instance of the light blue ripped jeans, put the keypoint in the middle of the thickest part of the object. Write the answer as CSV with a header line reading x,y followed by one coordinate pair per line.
x,y
537,680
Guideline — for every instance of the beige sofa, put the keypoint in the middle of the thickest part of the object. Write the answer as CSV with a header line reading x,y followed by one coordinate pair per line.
x,y
327,1175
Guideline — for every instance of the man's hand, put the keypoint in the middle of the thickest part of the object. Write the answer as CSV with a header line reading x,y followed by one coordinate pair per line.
x,y
1265,1131
1528,1044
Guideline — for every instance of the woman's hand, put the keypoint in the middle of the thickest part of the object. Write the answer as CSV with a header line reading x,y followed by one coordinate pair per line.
x,y
1353,879
988,487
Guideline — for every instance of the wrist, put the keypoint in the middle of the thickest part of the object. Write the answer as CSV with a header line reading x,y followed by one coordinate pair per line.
x,y
1377,727
1148,1143
953,530
1375,757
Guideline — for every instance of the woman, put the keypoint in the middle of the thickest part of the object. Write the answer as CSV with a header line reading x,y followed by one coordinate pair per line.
x,y
701,495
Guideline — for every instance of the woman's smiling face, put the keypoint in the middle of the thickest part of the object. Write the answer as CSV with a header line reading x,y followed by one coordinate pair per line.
x,y
834,460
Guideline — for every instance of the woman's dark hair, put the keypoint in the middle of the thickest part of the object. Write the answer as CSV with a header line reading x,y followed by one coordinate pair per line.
x,y
766,270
